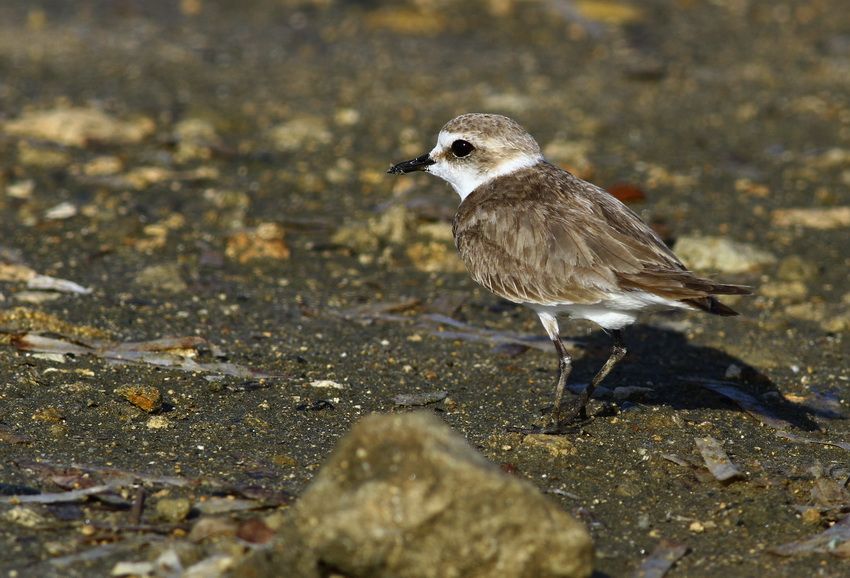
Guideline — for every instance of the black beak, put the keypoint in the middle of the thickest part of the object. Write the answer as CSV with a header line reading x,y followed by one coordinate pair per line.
x,y
417,164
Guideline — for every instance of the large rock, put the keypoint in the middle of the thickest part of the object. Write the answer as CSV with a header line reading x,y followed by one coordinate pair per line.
x,y
404,496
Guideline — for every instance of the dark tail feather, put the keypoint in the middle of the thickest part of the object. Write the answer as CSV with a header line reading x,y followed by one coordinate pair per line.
x,y
711,305
712,288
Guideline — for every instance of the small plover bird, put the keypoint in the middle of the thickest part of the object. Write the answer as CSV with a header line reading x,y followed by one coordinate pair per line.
x,y
535,234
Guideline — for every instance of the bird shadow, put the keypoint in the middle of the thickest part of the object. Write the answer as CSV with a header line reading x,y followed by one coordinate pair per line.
x,y
687,376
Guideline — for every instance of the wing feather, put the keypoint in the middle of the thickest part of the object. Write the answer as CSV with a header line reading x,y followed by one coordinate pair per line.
x,y
545,236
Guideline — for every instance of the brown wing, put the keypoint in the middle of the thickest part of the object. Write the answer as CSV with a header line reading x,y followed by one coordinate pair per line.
x,y
545,236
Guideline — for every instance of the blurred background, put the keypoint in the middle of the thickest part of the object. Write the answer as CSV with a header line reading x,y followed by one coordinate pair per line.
x,y
216,171
719,112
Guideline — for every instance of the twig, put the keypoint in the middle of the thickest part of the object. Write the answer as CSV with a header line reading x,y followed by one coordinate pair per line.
x,y
138,507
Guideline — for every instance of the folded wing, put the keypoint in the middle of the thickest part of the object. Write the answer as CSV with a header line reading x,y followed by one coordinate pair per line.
x,y
548,237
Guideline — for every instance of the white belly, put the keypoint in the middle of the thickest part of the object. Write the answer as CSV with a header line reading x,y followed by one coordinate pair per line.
x,y
615,312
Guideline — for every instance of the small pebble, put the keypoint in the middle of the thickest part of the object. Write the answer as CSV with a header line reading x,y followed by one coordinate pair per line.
x,y
326,384
146,397
61,211
158,422
173,509
208,528
557,446
696,527
811,516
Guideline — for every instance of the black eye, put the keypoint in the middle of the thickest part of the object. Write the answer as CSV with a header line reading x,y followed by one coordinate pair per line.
x,y
461,148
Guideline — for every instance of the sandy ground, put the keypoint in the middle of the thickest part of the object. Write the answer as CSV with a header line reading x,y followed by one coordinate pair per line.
x,y
215,173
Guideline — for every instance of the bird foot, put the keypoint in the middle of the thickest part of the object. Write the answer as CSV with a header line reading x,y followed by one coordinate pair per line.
x,y
552,429
569,422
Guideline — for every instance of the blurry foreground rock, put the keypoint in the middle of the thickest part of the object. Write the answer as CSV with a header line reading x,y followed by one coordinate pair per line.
x,y
404,496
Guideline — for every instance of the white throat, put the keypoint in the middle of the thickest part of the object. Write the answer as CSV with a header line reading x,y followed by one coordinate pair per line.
x,y
466,181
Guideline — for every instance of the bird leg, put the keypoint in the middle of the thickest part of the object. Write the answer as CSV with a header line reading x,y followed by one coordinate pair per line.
x,y
579,409
565,366
550,324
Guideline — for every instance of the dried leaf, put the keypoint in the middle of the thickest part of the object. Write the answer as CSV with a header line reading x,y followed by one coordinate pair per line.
x,y
716,460
58,497
168,352
255,531
746,402
18,272
831,541
47,283
41,344
418,399
662,558
627,192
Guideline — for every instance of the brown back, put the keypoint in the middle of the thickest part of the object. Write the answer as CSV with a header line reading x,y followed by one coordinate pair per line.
x,y
542,235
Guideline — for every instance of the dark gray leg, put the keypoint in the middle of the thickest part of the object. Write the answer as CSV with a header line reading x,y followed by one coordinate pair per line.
x,y
565,365
579,409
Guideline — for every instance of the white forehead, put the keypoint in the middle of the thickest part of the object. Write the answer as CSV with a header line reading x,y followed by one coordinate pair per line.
x,y
445,139
491,142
